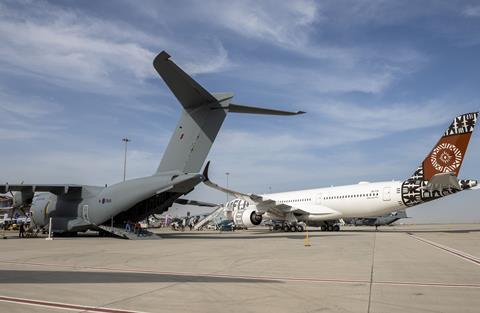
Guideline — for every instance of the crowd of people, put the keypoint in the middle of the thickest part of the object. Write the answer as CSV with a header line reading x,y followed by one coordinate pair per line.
x,y
182,223
24,230
135,227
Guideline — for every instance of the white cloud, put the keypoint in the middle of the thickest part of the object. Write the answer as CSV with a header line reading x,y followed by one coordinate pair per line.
x,y
62,53
325,146
91,167
24,117
285,23
29,107
199,63
301,29
70,48
472,11
317,78
73,49
387,118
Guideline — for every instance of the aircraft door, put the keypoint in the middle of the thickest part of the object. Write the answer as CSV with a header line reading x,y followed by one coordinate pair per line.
x,y
85,212
387,196
318,199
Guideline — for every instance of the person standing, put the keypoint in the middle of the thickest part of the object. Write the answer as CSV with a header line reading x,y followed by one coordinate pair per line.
x,y
21,231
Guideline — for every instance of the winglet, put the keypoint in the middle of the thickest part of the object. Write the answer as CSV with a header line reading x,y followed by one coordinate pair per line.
x,y
205,172
209,183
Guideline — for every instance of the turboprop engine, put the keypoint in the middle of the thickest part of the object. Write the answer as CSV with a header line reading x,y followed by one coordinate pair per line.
x,y
42,205
21,199
244,213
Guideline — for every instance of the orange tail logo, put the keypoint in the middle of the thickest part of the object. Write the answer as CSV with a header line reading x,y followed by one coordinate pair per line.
x,y
447,155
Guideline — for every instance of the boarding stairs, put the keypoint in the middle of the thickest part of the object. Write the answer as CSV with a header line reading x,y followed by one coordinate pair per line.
x,y
122,233
209,218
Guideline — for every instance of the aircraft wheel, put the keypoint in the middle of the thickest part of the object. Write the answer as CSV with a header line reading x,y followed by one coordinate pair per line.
x,y
329,228
336,228
300,228
286,228
323,228
293,228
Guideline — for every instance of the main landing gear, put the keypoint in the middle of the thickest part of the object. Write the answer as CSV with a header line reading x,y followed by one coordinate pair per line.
x,y
289,227
330,227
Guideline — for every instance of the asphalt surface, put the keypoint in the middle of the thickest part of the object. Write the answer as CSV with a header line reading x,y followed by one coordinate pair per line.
x,y
416,268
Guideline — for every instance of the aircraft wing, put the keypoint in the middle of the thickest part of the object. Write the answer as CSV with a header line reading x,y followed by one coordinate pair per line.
x,y
264,204
55,189
195,202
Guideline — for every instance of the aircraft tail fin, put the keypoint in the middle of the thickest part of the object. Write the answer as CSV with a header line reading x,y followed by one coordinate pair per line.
x,y
202,116
437,176
448,154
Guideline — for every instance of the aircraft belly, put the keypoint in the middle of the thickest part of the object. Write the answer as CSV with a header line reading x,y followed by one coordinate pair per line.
x,y
123,196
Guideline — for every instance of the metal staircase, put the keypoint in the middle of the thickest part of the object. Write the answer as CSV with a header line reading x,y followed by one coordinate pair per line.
x,y
121,233
209,218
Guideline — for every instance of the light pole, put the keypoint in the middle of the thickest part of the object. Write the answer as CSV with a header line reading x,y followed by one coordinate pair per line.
x,y
227,174
126,140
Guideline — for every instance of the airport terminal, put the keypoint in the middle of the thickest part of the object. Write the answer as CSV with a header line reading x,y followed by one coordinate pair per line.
x,y
189,225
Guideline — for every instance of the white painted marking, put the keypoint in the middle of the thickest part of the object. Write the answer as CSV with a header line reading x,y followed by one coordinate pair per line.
x,y
460,254
62,306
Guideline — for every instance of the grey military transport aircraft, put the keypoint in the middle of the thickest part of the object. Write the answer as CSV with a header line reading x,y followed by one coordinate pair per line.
x,y
74,208
383,220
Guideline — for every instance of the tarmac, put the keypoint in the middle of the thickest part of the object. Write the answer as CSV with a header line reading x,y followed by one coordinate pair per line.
x,y
410,268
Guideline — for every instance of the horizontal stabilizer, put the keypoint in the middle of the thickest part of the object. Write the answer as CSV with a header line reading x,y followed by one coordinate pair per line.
x,y
442,181
237,108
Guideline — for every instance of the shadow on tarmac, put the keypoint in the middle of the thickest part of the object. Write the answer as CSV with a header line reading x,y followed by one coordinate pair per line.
x,y
250,235
313,233
383,230
69,277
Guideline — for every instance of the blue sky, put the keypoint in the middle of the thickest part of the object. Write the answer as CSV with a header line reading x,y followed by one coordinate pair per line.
x,y
380,80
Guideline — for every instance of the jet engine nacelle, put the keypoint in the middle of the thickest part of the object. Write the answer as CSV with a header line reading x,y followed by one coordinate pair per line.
x,y
244,213
42,206
247,218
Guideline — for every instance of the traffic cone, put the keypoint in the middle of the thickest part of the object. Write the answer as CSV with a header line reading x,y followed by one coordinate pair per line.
x,y
306,242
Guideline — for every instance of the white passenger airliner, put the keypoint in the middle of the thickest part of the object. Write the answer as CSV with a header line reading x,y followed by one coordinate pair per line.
x,y
434,178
